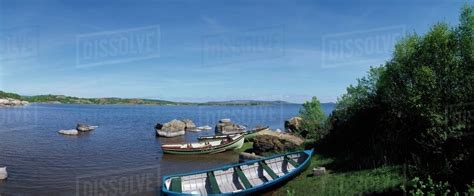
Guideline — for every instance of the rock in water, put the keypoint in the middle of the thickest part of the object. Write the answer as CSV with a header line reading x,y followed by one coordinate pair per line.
x,y
3,173
189,125
206,127
293,124
226,127
69,132
85,127
224,120
171,129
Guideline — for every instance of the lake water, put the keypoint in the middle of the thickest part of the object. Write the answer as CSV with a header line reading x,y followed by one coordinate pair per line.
x,y
123,155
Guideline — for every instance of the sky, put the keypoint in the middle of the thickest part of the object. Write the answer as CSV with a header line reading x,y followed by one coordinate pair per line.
x,y
203,50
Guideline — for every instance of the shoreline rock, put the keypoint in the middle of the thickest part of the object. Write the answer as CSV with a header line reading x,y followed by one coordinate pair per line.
x,y
9,102
293,124
267,141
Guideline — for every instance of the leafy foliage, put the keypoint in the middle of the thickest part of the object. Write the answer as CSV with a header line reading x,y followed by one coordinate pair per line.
x,y
9,95
313,119
415,109
429,187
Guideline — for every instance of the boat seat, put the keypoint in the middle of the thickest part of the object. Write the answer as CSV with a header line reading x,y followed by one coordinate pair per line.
x,y
214,186
243,178
291,161
176,185
228,180
268,170
255,174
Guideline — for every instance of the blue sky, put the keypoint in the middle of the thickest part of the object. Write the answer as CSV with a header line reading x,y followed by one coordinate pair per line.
x,y
313,51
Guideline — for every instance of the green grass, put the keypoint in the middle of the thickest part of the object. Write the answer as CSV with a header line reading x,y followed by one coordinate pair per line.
x,y
342,182
246,146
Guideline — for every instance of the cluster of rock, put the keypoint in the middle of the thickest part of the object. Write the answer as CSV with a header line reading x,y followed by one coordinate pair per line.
x,y
175,128
79,128
226,127
268,141
11,102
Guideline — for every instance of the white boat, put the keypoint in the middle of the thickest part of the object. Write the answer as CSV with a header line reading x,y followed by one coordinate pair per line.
x,y
206,147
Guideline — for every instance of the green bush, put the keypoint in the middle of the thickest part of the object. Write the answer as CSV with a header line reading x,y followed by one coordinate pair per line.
x,y
405,110
312,120
429,187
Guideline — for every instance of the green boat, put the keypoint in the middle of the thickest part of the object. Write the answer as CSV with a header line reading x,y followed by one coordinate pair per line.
x,y
230,142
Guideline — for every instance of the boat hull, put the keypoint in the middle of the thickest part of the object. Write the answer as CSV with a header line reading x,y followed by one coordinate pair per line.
x,y
253,190
233,145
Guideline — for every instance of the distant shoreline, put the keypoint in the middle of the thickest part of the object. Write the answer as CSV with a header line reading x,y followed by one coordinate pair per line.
x,y
190,104
62,99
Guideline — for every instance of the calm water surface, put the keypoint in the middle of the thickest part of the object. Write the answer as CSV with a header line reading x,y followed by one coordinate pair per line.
x,y
121,156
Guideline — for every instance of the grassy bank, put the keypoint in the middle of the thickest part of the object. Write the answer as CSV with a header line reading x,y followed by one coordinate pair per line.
x,y
342,182
338,181
246,146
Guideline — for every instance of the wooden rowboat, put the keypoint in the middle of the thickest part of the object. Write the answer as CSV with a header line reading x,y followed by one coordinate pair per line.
x,y
230,142
248,134
240,179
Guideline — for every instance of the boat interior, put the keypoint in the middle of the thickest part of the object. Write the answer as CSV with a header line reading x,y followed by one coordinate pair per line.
x,y
236,179
203,144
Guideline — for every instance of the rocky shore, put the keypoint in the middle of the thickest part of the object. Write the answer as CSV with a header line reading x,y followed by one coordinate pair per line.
x,y
9,102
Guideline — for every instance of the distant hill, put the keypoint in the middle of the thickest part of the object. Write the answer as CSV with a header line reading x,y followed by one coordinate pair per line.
x,y
113,100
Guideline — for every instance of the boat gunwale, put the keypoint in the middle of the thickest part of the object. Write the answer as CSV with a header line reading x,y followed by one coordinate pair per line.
x,y
244,191
205,148
246,133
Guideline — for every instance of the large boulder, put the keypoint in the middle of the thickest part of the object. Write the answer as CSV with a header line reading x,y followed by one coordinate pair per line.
x,y
293,124
225,127
189,124
268,141
171,129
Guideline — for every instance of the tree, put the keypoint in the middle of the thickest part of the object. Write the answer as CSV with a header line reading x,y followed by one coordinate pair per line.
x,y
312,119
407,111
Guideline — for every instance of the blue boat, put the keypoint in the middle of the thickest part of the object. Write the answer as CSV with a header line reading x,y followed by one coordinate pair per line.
x,y
245,178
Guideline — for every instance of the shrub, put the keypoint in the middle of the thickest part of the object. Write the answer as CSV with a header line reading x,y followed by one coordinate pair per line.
x,y
313,120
